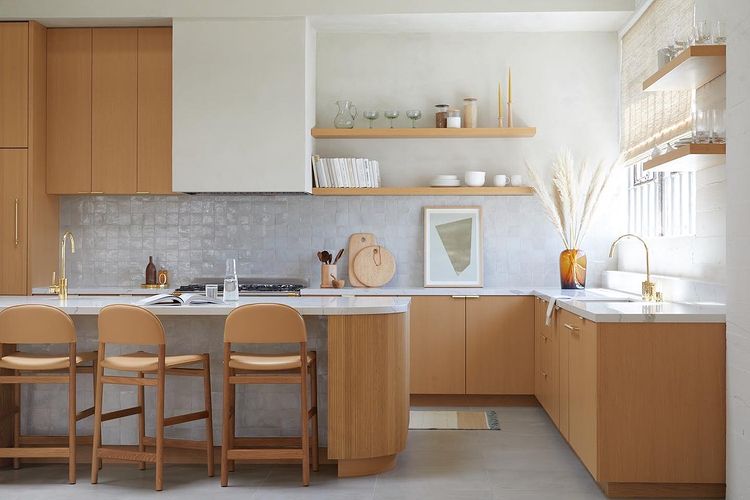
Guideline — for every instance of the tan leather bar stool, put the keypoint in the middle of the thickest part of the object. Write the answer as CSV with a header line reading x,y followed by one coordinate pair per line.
x,y
40,324
268,324
133,325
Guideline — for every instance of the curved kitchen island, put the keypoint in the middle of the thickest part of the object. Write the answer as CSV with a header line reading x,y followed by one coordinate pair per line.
x,y
366,340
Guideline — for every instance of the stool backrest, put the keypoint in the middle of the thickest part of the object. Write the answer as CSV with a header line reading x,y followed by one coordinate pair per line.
x,y
36,324
128,324
265,324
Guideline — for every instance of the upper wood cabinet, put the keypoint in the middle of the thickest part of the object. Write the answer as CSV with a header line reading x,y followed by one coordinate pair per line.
x,y
14,84
14,237
438,345
69,110
154,110
114,85
114,110
500,345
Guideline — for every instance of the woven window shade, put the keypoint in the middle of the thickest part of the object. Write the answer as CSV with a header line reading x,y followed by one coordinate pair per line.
x,y
652,118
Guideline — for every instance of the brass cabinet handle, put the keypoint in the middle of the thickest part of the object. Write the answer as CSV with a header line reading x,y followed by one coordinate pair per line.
x,y
573,329
16,226
544,374
464,296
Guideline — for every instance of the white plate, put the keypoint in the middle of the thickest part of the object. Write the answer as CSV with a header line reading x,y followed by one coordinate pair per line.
x,y
446,177
445,183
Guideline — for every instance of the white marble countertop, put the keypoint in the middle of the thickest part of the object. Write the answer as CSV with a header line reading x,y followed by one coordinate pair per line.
x,y
307,306
106,290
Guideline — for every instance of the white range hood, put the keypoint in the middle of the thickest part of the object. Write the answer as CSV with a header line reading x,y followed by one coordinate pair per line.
x,y
244,103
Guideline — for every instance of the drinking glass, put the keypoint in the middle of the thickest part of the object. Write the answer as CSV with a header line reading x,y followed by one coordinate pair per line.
x,y
414,115
702,33
682,40
718,128
371,116
391,115
701,127
719,32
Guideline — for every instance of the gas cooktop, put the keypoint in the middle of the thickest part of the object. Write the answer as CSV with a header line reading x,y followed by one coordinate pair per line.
x,y
250,286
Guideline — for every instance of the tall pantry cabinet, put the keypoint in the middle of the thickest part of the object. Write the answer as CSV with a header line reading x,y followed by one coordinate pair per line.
x,y
28,215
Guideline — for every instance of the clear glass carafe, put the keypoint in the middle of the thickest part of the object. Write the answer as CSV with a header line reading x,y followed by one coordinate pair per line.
x,y
346,115
231,286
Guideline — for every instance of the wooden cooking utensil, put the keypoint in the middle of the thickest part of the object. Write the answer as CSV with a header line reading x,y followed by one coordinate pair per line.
x,y
357,242
374,266
338,256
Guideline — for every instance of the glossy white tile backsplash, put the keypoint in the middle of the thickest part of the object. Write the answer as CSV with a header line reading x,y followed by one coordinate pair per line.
x,y
278,236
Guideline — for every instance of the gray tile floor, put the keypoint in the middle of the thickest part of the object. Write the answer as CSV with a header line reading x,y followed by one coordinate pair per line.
x,y
526,460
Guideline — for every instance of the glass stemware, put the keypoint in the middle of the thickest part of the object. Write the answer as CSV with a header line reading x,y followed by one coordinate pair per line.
x,y
414,115
391,115
719,32
371,116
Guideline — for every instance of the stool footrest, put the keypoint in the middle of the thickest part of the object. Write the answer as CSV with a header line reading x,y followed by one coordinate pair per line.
x,y
265,453
125,412
34,452
34,379
133,456
84,413
110,379
265,379
189,444
187,417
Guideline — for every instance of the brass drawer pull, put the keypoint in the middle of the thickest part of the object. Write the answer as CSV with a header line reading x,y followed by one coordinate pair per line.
x,y
465,296
544,374
573,329
17,239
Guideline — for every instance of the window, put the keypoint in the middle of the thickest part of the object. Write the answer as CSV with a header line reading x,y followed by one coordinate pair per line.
x,y
660,203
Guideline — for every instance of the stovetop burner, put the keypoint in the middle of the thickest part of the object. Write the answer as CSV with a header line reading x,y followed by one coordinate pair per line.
x,y
250,286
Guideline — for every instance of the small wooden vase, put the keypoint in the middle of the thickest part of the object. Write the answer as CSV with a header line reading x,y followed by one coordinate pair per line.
x,y
327,275
573,269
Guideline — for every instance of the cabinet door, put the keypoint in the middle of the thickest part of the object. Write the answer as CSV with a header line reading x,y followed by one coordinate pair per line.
x,y
114,110
500,345
539,360
154,110
563,340
582,399
438,345
13,239
547,362
14,85
68,110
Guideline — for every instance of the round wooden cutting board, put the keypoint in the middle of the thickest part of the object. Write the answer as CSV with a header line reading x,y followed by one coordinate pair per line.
x,y
374,266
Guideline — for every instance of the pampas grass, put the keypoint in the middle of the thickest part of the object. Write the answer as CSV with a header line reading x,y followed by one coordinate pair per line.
x,y
573,197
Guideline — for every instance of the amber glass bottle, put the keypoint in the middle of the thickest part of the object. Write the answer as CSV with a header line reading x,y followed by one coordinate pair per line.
x,y
150,272
572,269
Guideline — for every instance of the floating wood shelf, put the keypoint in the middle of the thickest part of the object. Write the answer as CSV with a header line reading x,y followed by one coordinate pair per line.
x,y
422,133
692,68
426,191
688,158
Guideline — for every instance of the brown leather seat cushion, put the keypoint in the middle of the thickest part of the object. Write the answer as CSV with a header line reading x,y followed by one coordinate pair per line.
x,y
34,361
147,362
265,362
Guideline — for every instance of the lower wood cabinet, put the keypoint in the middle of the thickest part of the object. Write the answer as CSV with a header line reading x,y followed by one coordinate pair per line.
x,y
472,345
438,345
546,360
500,345
13,240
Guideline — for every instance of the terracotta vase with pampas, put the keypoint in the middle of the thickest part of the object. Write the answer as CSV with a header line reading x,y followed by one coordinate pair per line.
x,y
570,202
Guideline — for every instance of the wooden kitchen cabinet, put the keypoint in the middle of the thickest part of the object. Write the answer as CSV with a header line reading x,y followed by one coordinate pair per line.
x,y
69,110
438,345
14,84
114,110
500,345
547,360
13,219
110,110
154,110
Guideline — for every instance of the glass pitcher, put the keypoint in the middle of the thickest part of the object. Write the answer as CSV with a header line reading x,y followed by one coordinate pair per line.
x,y
346,115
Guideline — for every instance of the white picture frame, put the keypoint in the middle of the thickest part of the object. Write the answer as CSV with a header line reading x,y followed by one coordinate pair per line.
x,y
453,247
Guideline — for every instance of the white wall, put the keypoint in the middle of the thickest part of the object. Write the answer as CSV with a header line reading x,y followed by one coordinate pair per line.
x,y
737,14
565,84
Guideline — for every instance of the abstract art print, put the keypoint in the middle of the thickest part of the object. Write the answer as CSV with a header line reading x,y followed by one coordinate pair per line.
x,y
452,247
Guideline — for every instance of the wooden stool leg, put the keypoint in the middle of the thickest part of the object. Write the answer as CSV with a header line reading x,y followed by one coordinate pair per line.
x,y
314,403
94,364
209,419
160,421
225,419
16,420
141,420
97,442
304,419
232,418
72,416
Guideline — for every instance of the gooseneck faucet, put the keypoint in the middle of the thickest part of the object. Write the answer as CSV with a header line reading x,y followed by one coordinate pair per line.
x,y
648,287
60,285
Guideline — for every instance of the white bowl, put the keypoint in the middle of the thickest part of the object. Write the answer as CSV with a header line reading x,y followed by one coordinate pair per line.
x,y
447,177
474,178
445,183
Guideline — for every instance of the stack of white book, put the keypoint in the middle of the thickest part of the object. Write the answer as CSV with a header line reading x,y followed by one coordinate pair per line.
x,y
345,172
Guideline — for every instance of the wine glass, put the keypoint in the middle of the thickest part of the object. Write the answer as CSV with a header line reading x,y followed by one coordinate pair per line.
x,y
414,115
391,114
371,116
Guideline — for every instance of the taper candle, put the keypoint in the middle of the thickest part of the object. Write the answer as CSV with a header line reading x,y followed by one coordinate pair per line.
x,y
499,104
510,87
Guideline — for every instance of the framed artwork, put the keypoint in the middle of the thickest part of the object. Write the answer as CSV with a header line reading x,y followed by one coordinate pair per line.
x,y
453,247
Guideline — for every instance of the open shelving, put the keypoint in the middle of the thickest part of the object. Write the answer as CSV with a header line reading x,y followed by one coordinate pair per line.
x,y
691,69
422,133
688,158
426,191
